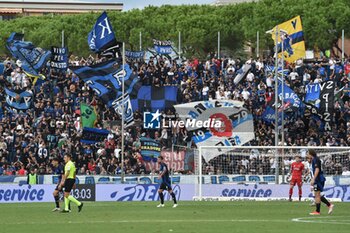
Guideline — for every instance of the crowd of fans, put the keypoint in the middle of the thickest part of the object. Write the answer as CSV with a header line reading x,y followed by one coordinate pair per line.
x,y
51,127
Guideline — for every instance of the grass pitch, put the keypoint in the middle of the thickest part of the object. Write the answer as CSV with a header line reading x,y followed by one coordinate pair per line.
x,y
188,217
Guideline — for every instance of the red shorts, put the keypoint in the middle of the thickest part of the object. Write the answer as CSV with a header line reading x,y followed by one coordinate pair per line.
x,y
297,181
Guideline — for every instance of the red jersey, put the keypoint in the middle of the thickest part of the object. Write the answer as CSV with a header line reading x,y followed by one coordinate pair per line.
x,y
347,68
297,169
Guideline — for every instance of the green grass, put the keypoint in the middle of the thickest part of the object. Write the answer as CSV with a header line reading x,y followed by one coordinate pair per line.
x,y
213,217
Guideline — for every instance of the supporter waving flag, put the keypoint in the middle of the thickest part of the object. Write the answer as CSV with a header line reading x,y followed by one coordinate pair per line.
x,y
106,80
292,36
101,38
19,99
33,58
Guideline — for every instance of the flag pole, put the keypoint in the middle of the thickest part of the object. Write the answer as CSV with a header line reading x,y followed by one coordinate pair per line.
x,y
342,46
140,41
62,34
180,44
257,44
282,100
219,45
123,112
276,104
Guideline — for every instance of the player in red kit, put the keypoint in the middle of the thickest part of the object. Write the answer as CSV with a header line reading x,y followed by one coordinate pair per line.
x,y
297,169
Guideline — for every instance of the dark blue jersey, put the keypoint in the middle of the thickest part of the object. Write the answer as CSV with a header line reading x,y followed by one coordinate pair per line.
x,y
165,177
316,163
59,170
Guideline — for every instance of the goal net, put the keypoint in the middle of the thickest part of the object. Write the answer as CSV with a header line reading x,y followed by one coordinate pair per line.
x,y
263,173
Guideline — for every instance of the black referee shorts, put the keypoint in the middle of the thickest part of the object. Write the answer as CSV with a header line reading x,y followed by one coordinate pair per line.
x,y
68,185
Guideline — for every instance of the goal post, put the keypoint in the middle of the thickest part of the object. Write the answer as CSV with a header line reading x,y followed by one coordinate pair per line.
x,y
249,172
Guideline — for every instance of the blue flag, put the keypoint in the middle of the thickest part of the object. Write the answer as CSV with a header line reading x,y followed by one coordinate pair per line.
x,y
162,47
33,58
290,97
154,98
106,80
312,95
269,116
59,59
21,100
102,35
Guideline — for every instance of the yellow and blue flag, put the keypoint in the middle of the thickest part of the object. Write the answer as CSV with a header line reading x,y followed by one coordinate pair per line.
x,y
36,79
291,35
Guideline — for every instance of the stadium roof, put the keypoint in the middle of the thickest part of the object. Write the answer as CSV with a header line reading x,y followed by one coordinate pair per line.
x,y
63,6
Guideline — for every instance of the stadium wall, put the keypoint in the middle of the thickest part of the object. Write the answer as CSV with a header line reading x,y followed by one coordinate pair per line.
x,y
148,192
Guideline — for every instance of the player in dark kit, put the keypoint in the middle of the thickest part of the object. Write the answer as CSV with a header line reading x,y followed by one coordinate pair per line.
x,y
166,183
297,169
318,183
57,169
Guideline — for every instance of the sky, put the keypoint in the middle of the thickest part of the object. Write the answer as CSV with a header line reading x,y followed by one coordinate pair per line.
x,y
140,4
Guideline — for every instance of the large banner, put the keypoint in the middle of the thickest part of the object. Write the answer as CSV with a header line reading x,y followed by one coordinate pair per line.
x,y
150,98
162,47
17,99
236,124
319,99
175,161
33,58
150,149
291,38
93,135
137,55
59,59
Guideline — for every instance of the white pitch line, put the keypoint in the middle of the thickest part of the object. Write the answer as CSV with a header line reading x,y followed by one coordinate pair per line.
x,y
323,220
144,221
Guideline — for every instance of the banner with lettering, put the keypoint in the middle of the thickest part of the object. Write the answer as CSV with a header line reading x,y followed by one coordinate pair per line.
x,y
19,99
217,123
137,55
319,99
150,149
175,161
59,59
162,47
